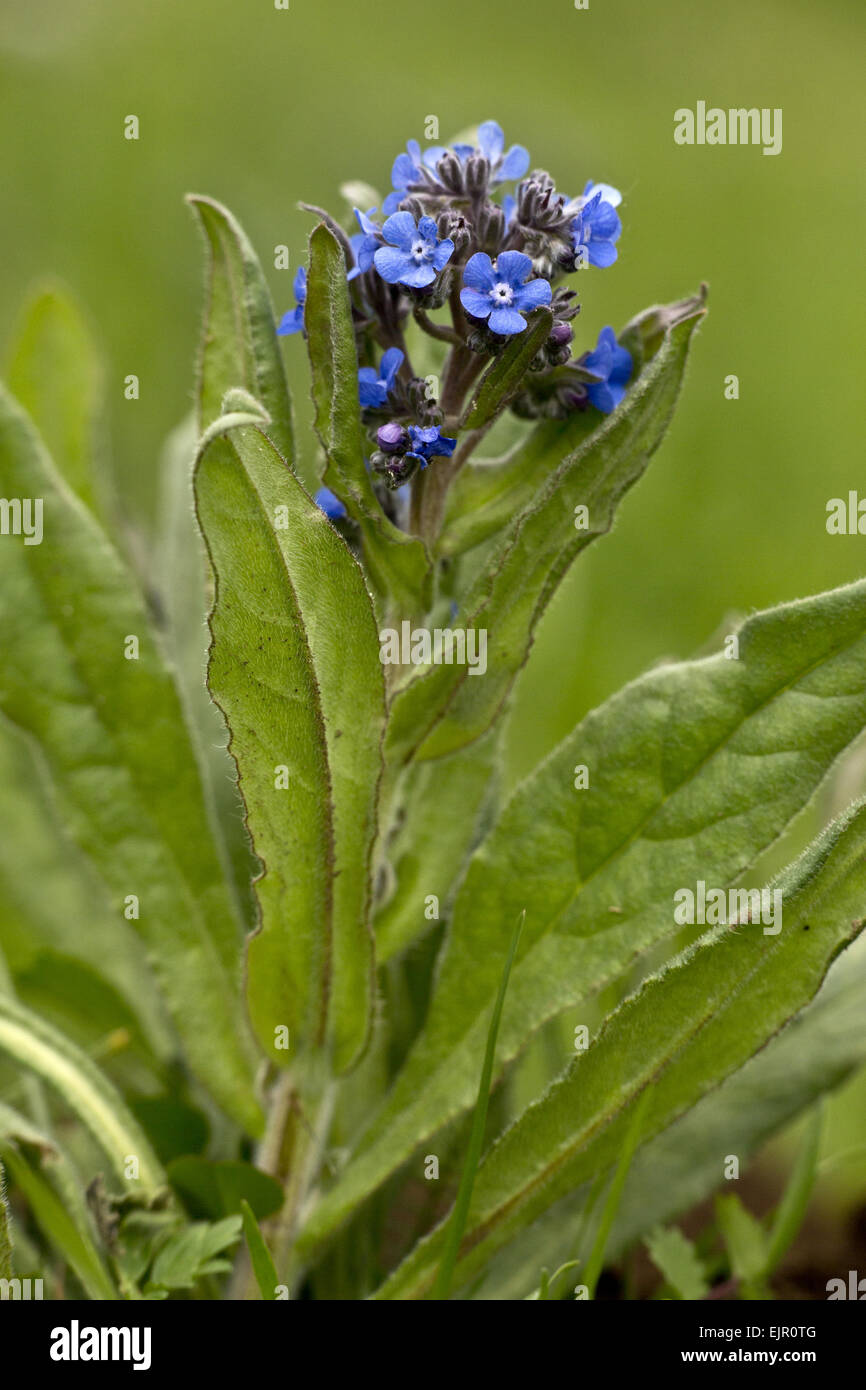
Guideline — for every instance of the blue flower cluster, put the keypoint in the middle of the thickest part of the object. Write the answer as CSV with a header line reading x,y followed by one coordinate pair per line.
x,y
467,226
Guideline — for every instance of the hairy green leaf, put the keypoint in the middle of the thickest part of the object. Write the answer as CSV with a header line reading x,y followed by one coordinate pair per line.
x,y
683,1032
112,734
292,620
397,563
5,1233
694,769
443,707
239,346
502,379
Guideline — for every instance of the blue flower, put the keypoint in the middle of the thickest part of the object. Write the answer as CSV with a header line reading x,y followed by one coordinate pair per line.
x,y
429,443
596,227
613,365
330,504
365,242
293,321
374,390
491,143
414,254
405,171
500,293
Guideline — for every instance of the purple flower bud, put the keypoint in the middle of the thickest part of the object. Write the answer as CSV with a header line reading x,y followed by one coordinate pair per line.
x,y
392,438
561,333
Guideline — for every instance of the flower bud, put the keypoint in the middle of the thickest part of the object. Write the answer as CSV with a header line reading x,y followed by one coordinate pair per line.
x,y
392,438
477,174
561,334
450,172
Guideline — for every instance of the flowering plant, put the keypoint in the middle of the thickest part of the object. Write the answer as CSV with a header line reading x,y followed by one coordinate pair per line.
x,y
343,956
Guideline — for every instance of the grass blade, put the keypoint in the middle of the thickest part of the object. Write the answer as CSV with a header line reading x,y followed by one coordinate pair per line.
x,y
612,1200
260,1256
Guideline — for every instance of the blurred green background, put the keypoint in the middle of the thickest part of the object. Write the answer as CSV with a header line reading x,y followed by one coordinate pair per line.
x,y
261,107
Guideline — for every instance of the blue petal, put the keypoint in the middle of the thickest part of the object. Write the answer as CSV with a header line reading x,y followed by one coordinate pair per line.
x,y
602,253
622,366
509,207
300,284
443,253
491,140
506,322
605,222
330,504
405,171
514,165
608,192
371,391
391,263
415,151
432,155
444,447
393,201
602,397
391,364
400,230
513,267
365,222
478,305
530,296
427,229
292,322
478,272
416,276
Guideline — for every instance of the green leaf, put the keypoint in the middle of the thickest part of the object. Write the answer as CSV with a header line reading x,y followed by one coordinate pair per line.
x,y
487,494
34,1044
683,1032
694,769
819,1049
175,1129
443,708
397,563
744,1237
217,1188
457,1222
52,1216
260,1256
428,854
239,346
180,578
676,1257
55,374
295,668
189,1254
501,381
549,1281
112,735
5,1233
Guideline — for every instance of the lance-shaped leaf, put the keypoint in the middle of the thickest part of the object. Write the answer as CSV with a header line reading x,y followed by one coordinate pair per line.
x,y
444,707
398,563
56,375
295,668
692,771
239,347
83,676
678,1037
503,377
34,1044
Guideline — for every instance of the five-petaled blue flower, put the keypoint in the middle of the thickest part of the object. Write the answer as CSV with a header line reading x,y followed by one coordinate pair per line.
x,y
500,293
293,321
613,365
374,389
414,254
596,228
330,504
429,443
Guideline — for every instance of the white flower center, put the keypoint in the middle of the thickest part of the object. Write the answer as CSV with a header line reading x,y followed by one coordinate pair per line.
x,y
420,250
502,293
